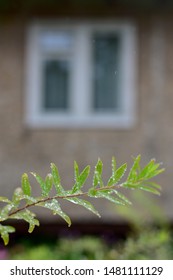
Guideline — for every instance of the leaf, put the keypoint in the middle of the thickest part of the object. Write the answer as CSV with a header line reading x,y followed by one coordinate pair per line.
x,y
157,172
118,174
76,171
32,225
106,195
4,199
17,196
26,185
84,203
131,185
27,216
5,211
55,207
123,197
113,165
155,185
4,232
30,199
144,172
111,180
150,170
135,169
149,189
154,173
80,179
56,179
97,178
48,184
40,181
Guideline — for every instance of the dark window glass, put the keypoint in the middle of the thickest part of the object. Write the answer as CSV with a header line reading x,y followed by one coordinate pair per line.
x,y
106,72
56,84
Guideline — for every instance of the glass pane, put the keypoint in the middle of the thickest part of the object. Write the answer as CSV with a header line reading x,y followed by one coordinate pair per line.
x,y
106,47
56,41
56,81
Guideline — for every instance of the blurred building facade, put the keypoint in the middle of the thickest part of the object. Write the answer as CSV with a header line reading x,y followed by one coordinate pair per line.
x,y
111,64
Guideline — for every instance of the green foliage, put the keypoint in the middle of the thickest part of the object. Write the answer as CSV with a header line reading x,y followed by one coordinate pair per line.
x,y
86,247
22,199
150,244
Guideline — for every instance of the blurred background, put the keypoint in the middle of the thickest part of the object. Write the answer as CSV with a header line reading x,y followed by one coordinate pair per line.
x,y
81,80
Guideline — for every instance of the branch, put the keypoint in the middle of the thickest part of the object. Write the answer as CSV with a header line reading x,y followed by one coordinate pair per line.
x,y
138,178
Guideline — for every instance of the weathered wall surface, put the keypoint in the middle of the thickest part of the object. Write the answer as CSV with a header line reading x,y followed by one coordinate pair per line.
x,y
25,150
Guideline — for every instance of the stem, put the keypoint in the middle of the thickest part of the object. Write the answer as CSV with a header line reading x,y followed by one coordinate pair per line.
x,y
59,197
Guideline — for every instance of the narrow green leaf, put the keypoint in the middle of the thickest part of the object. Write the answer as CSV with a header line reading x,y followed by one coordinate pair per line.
x,y
149,189
39,180
146,170
156,167
27,216
30,199
130,185
113,165
56,179
4,232
106,195
155,185
26,187
150,170
5,236
111,179
32,224
122,196
4,199
17,196
135,169
118,174
76,171
5,211
152,174
84,203
48,184
110,182
81,178
55,207
97,178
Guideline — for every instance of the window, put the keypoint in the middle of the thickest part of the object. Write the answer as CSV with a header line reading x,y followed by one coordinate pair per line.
x,y
81,75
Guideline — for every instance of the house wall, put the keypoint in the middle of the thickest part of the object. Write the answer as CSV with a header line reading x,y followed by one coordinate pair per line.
x,y
23,149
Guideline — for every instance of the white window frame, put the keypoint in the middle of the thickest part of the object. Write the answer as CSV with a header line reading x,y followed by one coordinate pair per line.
x,y
80,114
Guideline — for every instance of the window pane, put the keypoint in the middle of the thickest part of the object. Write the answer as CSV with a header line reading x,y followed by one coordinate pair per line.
x,y
106,47
60,41
56,81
